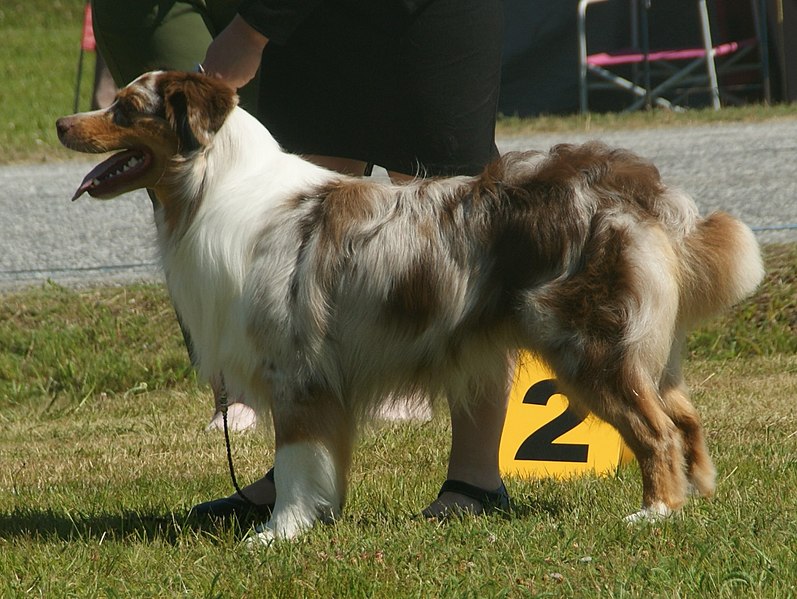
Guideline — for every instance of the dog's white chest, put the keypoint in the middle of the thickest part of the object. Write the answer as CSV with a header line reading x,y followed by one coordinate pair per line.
x,y
205,271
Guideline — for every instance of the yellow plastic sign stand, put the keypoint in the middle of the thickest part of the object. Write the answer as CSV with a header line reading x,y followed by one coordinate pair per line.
x,y
543,438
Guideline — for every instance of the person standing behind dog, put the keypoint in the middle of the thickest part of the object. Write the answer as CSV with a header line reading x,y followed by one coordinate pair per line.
x,y
409,85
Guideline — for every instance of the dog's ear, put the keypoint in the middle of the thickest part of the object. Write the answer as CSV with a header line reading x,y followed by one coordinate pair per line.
x,y
196,107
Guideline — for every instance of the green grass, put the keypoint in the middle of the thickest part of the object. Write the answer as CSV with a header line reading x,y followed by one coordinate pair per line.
x,y
102,453
38,60
94,504
763,326
655,119
61,345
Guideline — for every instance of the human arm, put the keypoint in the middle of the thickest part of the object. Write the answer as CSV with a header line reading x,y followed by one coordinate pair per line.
x,y
234,55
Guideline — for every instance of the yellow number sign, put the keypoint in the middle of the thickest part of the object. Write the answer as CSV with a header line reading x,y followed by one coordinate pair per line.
x,y
542,437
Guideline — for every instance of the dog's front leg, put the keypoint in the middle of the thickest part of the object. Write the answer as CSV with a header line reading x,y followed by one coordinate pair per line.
x,y
313,452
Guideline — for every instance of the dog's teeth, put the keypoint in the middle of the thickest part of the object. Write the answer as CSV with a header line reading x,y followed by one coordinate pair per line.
x,y
133,162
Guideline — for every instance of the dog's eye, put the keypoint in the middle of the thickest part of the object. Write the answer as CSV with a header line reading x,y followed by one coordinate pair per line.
x,y
122,113
121,118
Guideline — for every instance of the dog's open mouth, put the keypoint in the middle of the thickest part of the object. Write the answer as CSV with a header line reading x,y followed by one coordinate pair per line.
x,y
112,176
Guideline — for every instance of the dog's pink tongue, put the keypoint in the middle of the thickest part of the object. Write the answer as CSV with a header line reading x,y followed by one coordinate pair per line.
x,y
82,189
89,180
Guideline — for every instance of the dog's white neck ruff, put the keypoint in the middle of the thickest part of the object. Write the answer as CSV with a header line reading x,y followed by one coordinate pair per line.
x,y
238,182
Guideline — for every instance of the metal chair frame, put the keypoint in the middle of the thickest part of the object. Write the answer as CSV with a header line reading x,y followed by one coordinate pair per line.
x,y
674,67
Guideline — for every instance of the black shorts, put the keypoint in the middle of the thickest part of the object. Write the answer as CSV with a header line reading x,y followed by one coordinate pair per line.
x,y
418,97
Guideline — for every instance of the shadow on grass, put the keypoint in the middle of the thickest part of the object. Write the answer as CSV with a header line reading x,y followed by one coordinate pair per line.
x,y
129,526
170,528
529,506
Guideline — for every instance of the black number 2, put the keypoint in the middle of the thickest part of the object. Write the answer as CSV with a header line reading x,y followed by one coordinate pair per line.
x,y
540,446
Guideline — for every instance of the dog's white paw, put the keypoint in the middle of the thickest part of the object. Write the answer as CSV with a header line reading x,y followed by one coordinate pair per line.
x,y
260,537
280,530
652,513
240,417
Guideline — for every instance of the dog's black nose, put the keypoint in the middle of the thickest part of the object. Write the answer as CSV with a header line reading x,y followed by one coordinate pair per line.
x,y
62,126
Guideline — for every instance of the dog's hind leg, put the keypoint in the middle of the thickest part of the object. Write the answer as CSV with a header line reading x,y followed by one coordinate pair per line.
x,y
675,397
631,404
314,437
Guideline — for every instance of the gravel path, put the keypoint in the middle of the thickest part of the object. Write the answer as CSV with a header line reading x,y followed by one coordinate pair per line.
x,y
746,169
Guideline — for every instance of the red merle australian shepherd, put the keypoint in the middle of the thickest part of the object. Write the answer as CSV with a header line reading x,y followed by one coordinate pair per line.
x,y
318,294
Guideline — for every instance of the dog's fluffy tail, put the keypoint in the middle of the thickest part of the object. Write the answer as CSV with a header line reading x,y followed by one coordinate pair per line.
x,y
722,266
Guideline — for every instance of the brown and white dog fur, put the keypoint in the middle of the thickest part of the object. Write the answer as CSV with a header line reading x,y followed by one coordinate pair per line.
x,y
319,294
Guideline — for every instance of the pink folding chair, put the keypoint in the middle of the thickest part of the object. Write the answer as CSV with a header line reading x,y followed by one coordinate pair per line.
x,y
678,70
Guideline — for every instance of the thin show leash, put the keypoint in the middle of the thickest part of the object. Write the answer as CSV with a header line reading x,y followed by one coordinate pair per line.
x,y
223,405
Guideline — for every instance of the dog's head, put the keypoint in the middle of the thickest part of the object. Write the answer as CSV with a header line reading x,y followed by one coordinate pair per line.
x,y
160,116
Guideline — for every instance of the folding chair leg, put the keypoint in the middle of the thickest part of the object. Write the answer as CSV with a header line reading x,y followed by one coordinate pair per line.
x,y
79,77
711,66
631,87
668,84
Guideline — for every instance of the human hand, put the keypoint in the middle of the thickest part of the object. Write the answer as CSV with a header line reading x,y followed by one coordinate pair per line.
x,y
234,55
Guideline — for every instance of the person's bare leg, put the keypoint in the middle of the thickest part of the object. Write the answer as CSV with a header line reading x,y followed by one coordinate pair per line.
x,y
400,178
475,440
240,417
